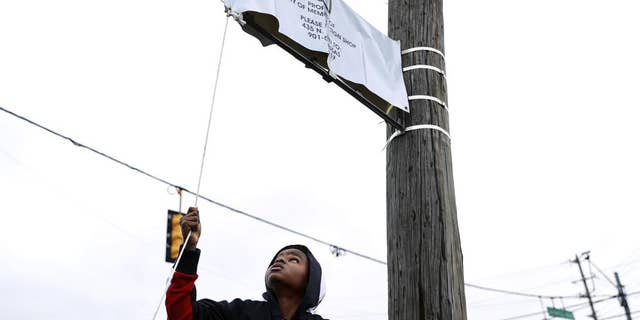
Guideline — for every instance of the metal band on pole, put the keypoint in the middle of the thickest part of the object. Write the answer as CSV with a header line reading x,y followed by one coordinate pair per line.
x,y
425,66
429,98
417,127
414,49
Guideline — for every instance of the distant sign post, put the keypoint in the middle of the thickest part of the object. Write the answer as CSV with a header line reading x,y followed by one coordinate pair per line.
x,y
560,313
330,38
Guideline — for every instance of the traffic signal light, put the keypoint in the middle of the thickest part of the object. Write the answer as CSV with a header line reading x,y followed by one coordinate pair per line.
x,y
174,236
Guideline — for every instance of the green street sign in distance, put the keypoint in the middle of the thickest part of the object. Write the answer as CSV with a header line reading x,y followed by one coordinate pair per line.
x,y
560,313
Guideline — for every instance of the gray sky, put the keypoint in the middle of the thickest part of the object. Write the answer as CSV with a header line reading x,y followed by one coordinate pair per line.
x,y
544,114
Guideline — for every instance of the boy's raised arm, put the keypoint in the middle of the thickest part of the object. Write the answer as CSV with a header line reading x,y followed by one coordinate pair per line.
x,y
181,296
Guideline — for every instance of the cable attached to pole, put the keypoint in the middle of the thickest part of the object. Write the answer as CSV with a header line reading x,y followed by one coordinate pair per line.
x,y
213,100
205,198
204,154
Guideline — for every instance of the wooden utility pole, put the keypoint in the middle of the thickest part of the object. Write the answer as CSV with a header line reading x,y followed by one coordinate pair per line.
x,y
622,296
586,287
423,242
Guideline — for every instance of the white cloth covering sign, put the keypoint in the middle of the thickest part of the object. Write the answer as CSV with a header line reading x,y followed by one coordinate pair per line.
x,y
357,51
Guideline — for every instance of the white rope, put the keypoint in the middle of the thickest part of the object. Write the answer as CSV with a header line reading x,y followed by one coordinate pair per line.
x,y
416,127
204,153
168,282
213,100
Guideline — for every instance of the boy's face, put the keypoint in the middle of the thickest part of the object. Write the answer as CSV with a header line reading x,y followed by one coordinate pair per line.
x,y
290,270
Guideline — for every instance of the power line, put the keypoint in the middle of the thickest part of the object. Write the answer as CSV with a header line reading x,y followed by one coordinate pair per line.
x,y
204,154
631,259
337,249
522,293
163,181
567,307
573,307
545,284
619,315
603,274
594,315
526,270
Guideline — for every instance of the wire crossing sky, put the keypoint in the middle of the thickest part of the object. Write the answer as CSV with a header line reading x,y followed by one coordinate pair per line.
x,y
544,159
222,205
334,247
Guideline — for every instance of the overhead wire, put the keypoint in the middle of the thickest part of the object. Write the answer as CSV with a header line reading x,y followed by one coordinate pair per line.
x,y
542,307
204,154
567,308
213,100
499,302
248,215
619,315
573,307
197,196
60,190
592,275
526,270
532,295
613,307
631,259
602,273
527,290
184,189
273,224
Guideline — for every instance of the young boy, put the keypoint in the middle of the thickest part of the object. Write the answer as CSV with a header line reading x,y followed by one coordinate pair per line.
x,y
293,280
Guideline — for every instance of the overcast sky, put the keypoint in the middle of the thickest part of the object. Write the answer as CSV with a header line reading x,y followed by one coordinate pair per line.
x,y
544,111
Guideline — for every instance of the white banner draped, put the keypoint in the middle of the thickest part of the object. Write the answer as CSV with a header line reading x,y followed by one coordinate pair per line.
x,y
357,51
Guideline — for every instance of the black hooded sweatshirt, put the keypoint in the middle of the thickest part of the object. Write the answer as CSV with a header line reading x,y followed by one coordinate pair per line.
x,y
181,300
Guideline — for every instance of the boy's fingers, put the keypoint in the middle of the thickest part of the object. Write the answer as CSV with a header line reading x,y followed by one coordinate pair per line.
x,y
191,221
190,217
191,225
192,214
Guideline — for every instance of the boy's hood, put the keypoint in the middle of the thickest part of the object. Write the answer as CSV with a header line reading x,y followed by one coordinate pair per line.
x,y
315,286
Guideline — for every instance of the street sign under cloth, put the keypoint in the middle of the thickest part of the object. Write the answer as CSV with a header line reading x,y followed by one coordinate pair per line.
x,y
329,37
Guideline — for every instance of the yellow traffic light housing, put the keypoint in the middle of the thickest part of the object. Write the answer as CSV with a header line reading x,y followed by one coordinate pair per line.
x,y
174,236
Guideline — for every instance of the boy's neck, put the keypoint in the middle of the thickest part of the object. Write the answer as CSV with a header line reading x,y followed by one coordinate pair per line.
x,y
288,304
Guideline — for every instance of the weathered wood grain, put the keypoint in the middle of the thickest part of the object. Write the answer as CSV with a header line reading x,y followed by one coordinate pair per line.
x,y
425,268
